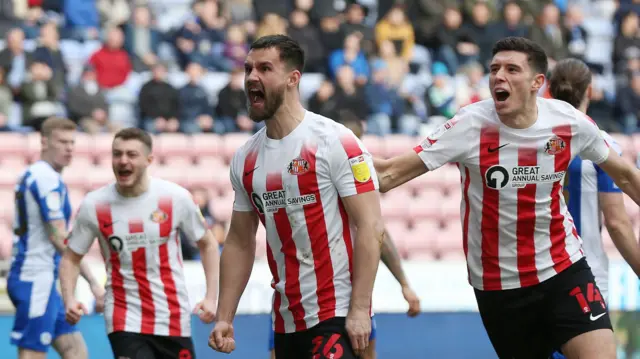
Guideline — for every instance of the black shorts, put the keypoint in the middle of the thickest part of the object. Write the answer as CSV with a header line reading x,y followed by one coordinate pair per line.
x,y
146,346
533,322
328,339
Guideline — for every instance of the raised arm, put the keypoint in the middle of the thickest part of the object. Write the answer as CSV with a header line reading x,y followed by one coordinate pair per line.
x,y
399,170
619,226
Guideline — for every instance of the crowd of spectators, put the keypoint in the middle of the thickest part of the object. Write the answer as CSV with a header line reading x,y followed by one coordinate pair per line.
x,y
177,65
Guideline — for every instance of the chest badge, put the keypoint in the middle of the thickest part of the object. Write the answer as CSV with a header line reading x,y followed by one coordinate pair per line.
x,y
158,216
298,166
554,146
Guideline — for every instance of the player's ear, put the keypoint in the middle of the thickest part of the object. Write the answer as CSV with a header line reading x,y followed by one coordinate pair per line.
x,y
538,82
294,78
150,158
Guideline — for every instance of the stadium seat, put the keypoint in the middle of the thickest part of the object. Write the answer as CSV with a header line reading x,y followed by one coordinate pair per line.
x,y
399,233
6,241
395,145
231,143
206,144
198,176
219,178
211,163
9,177
420,241
450,238
374,144
14,161
178,161
450,175
173,174
75,197
33,145
7,211
83,144
426,181
221,207
394,205
101,149
449,209
12,144
456,255
167,144
424,207
98,177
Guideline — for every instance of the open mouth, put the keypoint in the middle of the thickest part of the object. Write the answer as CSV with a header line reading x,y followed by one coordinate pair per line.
x,y
124,173
256,96
501,95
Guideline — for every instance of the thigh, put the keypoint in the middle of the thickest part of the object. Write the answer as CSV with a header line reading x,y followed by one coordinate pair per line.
x,y
328,340
287,346
575,304
172,347
130,345
70,345
513,321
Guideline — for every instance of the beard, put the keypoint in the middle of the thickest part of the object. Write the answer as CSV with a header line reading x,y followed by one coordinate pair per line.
x,y
271,104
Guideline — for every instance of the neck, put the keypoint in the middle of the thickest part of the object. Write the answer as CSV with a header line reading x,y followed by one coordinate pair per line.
x,y
524,118
139,188
47,158
286,119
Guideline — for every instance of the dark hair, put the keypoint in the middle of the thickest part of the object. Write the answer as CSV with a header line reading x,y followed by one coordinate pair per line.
x,y
569,81
290,51
535,54
133,133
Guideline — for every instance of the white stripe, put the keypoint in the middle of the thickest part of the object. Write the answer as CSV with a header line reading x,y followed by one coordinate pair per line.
x,y
160,301
181,289
507,229
40,294
475,236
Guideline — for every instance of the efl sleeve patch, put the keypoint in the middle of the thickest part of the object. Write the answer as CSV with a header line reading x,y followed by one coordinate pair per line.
x,y
360,169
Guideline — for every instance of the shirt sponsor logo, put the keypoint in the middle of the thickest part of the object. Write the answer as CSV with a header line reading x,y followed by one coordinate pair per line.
x,y
498,177
554,146
272,201
158,216
298,166
360,169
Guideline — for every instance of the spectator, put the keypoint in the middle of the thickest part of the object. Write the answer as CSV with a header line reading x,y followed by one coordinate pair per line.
x,y
6,99
141,40
39,96
479,32
511,23
236,47
331,34
626,46
441,94
87,105
15,60
113,13
309,39
231,111
628,103
351,56
33,21
195,109
387,106
428,16
577,36
396,65
81,19
262,9
49,53
159,103
473,86
550,34
469,7
111,62
455,45
323,102
271,24
355,22
396,28
349,94
602,101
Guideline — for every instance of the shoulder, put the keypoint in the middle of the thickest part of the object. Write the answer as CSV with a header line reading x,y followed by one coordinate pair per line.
x,y
250,147
561,110
327,131
162,187
611,142
41,171
477,113
104,194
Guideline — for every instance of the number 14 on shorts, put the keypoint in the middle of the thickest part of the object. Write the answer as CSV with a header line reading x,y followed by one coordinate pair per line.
x,y
593,296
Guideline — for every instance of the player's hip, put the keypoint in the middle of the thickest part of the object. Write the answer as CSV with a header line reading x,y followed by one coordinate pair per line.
x,y
293,320
137,345
148,321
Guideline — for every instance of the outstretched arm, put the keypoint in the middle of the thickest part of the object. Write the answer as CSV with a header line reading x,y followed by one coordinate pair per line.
x,y
399,170
623,174
619,226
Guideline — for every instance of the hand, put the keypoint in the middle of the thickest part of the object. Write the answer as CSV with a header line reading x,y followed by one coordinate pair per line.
x,y
74,311
206,310
358,325
413,300
221,338
99,293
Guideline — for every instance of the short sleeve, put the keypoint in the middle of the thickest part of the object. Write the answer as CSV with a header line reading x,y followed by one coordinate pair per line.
x,y
193,224
351,166
447,143
605,182
593,146
83,233
241,202
50,195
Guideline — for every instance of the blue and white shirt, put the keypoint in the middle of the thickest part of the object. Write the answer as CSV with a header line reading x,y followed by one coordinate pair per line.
x,y
41,197
585,181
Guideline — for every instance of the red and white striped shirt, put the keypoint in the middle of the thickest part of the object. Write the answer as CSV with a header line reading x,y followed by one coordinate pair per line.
x,y
517,231
139,240
295,185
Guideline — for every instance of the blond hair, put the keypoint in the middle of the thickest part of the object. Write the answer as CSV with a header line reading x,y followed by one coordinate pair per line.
x,y
56,123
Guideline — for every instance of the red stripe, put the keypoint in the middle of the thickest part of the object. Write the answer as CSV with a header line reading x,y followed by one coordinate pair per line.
x,y
317,229
277,301
247,180
148,314
465,220
561,259
165,204
352,148
136,226
490,137
119,319
291,264
526,223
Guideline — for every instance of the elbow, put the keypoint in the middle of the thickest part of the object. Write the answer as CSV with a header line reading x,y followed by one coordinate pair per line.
x,y
617,225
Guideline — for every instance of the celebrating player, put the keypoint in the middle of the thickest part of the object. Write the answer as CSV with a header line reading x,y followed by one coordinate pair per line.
x,y
388,255
42,216
136,220
311,183
588,189
534,289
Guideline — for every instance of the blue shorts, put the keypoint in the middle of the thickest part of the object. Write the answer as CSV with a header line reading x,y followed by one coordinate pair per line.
x,y
272,333
40,314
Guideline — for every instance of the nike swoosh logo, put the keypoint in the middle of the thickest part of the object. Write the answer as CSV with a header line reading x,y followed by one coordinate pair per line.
x,y
250,172
497,148
593,319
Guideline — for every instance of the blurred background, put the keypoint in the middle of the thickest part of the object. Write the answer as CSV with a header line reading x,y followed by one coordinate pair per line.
x,y
174,68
